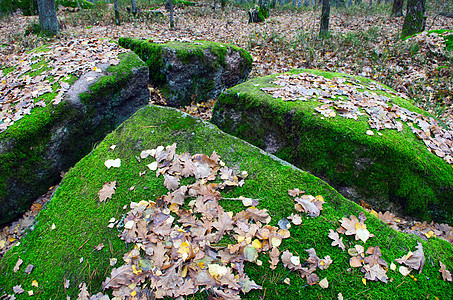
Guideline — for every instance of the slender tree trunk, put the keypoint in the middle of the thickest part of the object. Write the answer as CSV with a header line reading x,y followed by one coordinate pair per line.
x,y
172,21
414,22
48,21
397,8
134,8
325,15
117,13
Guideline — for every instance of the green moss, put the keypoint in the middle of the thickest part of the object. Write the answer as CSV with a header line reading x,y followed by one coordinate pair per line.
x,y
74,3
395,166
150,53
115,79
81,221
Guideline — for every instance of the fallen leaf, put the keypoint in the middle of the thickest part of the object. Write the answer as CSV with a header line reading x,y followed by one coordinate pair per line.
x,y
34,283
324,283
274,257
415,261
29,269
337,241
446,275
107,191
404,271
83,294
295,219
115,163
17,289
17,266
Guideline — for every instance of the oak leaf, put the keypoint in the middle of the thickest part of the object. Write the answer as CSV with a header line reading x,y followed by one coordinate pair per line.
x,y
375,272
83,294
273,255
337,241
108,189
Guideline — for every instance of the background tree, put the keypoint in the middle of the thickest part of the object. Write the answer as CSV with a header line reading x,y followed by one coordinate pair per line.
x,y
48,21
117,12
134,8
397,8
325,15
172,12
414,22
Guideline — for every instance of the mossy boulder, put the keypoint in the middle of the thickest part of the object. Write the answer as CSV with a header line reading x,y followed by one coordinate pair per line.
x,y
195,71
38,147
75,221
74,3
384,168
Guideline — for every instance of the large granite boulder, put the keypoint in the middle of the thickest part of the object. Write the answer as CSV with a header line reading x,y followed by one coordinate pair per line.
x,y
191,71
361,137
73,242
38,147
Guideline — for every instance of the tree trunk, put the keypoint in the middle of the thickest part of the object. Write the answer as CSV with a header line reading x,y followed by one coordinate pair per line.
x,y
415,20
397,8
48,21
172,9
134,8
117,13
325,15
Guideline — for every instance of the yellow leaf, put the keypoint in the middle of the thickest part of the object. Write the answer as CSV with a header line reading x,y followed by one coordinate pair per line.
x,y
34,283
256,244
320,198
2,244
133,293
174,207
241,238
374,213
364,281
184,272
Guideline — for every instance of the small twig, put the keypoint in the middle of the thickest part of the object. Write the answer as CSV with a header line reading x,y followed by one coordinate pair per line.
x,y
83,244
400,284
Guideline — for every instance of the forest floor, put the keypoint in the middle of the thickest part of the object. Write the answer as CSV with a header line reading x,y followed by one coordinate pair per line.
x,y
364,41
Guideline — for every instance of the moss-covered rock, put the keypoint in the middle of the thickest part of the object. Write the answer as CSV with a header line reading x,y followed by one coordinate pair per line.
x,y
35,149
74,3
75,222
389,167
196,71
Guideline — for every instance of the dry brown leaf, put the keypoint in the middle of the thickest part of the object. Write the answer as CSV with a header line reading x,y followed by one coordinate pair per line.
x,y
375,272
416,260
337,241
273,255
446,275
18,264
83,294
108,189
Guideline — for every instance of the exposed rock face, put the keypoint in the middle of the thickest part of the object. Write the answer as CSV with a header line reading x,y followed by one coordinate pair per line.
x,y
385,167
52,139
195,71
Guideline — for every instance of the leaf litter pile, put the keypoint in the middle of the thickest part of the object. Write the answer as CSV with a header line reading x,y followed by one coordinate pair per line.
x,y
20,92
350,98
185,242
